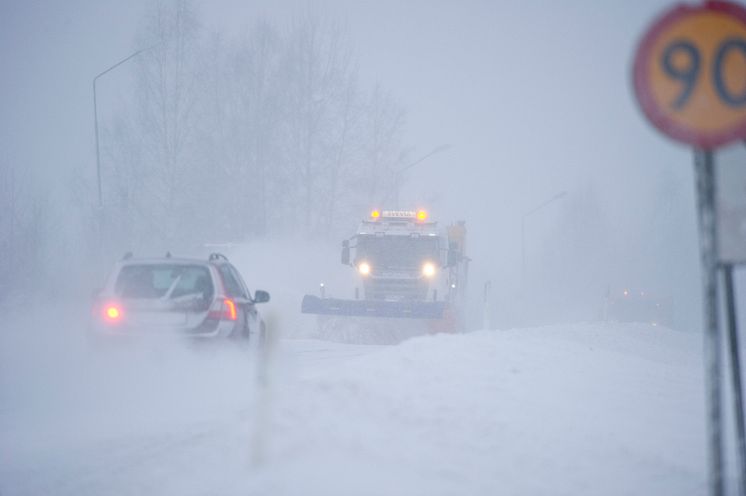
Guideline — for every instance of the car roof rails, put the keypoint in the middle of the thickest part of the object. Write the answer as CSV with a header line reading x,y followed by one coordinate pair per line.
x,y
127,255
217,256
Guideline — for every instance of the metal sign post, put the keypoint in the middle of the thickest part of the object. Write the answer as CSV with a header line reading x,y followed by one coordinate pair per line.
x,y
688,79
703,164
731,218
735,367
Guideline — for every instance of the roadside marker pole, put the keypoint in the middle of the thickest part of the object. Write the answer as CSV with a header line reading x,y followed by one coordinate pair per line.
x,y
735,367
486,324
264,397
704,169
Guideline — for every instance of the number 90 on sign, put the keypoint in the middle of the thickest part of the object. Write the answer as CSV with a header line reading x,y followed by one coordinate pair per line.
x,y
690,73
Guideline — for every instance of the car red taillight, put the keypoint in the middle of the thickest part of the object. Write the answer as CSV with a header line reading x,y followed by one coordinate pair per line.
x,y
112,313
223,309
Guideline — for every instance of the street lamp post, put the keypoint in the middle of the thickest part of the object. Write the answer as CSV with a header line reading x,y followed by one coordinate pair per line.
x,y
559,195
400,172
95,121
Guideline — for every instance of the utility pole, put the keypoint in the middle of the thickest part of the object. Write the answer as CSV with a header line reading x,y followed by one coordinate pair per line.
x,y
400,172
95,122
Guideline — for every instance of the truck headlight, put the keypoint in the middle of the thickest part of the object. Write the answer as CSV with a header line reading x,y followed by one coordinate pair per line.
x,y
364,268
428,269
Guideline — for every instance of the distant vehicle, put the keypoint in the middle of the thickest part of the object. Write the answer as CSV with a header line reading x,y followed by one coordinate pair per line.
x,y
199,299
637,306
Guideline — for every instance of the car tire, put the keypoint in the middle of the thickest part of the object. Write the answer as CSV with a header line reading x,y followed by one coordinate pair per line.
x,y
243,334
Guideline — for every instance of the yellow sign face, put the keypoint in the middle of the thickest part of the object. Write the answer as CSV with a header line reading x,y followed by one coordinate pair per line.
x,y
690,74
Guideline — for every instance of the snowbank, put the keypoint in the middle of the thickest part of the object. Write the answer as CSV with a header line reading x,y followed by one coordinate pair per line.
x,y
581,410
556,410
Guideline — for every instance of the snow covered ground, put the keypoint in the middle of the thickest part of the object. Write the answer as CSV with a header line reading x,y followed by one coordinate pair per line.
x,y
556,410
576,409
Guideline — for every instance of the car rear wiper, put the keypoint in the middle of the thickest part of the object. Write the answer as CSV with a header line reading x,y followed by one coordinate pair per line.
x,y
171,288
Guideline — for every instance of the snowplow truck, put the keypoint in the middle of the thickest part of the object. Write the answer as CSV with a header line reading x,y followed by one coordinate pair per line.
x,y
407,267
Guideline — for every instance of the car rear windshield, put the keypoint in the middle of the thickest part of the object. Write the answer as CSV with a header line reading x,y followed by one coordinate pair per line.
x,y
168,281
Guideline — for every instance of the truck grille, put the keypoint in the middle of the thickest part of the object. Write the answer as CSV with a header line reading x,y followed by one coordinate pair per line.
x,y
396,289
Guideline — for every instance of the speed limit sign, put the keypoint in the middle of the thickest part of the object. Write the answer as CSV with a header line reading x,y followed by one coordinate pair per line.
x,y
690,73
689,77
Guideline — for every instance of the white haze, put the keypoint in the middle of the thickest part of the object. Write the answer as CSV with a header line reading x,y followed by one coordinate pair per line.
x,y
533,99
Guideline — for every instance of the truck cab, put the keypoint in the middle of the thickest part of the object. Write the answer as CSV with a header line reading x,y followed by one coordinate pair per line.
x,y
403,256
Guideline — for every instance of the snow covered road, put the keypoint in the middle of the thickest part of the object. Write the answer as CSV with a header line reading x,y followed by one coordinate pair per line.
x,y
583,409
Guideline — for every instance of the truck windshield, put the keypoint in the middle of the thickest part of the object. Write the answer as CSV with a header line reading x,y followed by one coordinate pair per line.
x,y
397,251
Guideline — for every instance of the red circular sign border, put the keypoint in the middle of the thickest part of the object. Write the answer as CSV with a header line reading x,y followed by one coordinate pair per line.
x,y
640,78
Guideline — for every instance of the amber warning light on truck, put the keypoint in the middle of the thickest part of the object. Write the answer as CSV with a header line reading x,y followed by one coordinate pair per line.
x,y
419,215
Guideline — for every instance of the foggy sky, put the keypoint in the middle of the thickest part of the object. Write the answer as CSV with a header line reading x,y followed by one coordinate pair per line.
x,y
533,97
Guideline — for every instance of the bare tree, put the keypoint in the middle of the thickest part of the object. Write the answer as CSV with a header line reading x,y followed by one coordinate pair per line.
x,y
243,109
24,230
10,195
318,66
269,131
344,144
168,91
383,150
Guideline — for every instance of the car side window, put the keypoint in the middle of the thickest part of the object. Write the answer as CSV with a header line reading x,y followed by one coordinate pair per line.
x,y
232,286
240,280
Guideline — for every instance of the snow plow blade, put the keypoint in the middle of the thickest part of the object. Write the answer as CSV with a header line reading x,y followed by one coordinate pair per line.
x,y
372,308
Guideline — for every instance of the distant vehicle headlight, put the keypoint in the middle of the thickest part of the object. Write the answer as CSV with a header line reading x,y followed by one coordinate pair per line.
x,y
364,268
428,269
